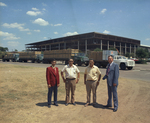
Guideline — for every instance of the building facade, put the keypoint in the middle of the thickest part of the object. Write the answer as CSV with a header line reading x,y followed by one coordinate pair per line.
x,y
86,42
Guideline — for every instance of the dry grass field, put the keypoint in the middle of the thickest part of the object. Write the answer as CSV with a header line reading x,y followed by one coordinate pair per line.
x,y
23,99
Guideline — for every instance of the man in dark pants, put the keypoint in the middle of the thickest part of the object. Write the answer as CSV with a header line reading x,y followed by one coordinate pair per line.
x,y
52,76
112,75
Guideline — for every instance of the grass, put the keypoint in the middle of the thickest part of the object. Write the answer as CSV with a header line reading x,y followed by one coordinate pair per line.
x,y
23,99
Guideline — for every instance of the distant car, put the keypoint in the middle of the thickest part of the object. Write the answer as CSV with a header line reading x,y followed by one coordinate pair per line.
x,y
134,59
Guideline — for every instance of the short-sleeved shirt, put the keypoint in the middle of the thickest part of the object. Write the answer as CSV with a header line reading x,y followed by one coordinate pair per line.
x,y
92,73
70,72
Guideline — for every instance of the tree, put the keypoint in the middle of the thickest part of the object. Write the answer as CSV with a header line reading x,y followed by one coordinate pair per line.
x,y
16,50
111,48
97,49
3,49
141,53
127,54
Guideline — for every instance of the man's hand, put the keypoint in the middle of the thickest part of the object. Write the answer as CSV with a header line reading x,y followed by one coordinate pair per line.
x,y
97,83
64,80
49,86
114,84
77,80
58,85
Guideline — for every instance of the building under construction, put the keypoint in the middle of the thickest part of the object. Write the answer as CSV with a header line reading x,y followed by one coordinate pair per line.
x,y
87,41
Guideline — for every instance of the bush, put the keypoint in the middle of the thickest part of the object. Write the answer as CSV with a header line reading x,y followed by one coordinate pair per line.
x,y
97,49
141,62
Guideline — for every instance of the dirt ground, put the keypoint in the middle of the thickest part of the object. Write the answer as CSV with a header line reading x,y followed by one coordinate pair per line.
x,y
23,99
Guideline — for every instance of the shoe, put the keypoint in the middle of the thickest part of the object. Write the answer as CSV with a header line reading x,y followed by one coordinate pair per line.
x,y
107,106
74,103
56,104
94,105
49,106
66,104
86,104
115,110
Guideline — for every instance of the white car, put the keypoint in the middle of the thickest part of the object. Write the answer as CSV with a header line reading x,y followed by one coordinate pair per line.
x,y
123,62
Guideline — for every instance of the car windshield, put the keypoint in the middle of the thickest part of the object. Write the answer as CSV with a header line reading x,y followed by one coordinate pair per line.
x,y
121,57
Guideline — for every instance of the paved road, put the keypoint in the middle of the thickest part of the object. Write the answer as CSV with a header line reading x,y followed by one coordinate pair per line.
x,y
139,72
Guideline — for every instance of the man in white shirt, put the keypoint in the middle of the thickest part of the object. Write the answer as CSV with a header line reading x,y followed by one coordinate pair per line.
x,y
72,75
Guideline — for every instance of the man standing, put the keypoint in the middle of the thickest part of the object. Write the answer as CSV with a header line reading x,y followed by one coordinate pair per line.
x,y
91,81
52,76
112,75
70,80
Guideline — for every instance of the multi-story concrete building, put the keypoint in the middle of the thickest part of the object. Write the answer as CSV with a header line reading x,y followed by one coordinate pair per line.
x,y
87,41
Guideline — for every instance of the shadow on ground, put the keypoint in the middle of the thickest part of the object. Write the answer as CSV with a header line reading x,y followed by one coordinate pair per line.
x,y
43,104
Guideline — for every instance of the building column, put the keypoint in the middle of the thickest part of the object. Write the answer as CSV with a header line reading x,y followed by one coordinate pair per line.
x,y
50,47
134,50
120,48
130,48
114,44
125,48
59,46
65,45
107,45
85,47
101,45
78,45
45,47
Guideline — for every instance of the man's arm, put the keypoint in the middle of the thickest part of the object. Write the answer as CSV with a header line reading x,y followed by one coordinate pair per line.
x,y
85,79
116,76
78,76
62,75
99,77
58,83
48,78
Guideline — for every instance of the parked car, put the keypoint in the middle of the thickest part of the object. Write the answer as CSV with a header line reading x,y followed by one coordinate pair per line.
x,y
134,59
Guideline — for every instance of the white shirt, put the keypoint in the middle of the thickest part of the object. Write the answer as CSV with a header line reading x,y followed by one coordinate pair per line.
x,y
111,64
70,72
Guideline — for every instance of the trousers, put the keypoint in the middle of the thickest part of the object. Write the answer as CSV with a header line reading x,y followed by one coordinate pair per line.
x,y
70,85
50,90
112,91
91,85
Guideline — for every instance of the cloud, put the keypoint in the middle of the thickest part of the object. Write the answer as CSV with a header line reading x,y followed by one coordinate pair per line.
x,y
2,4
35,9
16,25
70,33
13,43
33,13
29,33
37,31
8,36
41,22
107,32
147,39
103,11
45,38
44,4
55,32
59,24
43,9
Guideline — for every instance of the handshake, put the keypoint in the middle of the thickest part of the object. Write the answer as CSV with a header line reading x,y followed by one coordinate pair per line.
x,y
104,77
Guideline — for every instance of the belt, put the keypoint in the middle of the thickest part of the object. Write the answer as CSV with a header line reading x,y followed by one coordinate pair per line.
x,y
71,78
92,80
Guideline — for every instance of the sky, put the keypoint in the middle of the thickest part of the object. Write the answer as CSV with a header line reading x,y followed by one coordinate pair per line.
x,y
28,21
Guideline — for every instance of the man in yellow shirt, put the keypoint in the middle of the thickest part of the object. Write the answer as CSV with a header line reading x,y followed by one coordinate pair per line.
x,y
92,78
